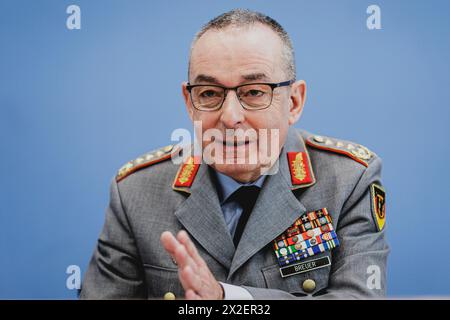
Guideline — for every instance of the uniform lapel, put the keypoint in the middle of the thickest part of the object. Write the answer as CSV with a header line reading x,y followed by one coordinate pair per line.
x,y
276,209
202,217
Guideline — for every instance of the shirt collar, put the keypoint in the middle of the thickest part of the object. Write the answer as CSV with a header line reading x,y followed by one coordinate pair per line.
x,y
227,185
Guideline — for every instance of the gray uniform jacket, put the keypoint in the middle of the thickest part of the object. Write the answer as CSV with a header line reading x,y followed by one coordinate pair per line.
x,y
130,262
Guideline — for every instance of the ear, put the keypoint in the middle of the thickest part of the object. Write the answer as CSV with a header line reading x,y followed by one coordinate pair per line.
x,y
298,97
187,100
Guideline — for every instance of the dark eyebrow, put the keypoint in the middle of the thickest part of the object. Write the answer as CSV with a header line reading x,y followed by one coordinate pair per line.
x,y
255,77
205,78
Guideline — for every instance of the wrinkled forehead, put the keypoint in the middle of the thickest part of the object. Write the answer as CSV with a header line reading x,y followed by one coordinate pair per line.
x,y
236,54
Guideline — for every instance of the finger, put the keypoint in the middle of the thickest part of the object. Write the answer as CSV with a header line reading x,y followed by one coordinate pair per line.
x,y
183,258
169,242
191,280
184,239
205,289
174,248
191,295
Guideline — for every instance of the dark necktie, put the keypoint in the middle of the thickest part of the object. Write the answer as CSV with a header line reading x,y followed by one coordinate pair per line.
x,y
246,197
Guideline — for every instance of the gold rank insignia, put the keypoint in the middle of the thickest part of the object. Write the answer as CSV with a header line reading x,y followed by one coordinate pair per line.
x,y
378,204
300,168
186,174
355,151
146,160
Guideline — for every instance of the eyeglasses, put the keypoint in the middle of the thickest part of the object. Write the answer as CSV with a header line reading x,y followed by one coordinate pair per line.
x,y
252,96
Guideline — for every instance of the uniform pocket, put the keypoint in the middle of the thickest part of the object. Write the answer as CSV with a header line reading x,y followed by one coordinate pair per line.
x,y
161,280
311,282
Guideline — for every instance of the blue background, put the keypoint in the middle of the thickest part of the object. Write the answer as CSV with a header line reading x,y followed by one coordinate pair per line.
x,y
76,104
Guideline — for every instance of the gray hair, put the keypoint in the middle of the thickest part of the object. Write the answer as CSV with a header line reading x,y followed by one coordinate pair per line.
x,y
244,17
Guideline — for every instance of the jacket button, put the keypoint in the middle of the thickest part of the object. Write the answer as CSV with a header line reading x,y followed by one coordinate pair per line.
x,y
309,285
169,296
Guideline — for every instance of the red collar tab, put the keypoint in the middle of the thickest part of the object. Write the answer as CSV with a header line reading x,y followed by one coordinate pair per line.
x,y
187,172
299,168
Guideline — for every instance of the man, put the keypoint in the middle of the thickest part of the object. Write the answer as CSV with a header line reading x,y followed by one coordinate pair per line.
x,y
309,224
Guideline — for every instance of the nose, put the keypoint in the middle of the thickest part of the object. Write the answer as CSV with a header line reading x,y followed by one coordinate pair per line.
x,y
232,111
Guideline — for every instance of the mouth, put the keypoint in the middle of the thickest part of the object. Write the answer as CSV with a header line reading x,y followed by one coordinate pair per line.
x,y
235,143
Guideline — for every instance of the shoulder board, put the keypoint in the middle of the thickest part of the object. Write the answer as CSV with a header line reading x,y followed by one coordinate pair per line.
x,y
146,160
355,151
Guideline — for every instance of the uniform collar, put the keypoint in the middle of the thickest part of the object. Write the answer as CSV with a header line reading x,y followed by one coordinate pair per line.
x,y
294,163
227,185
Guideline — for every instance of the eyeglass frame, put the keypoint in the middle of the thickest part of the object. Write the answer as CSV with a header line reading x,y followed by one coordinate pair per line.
x,y
273,86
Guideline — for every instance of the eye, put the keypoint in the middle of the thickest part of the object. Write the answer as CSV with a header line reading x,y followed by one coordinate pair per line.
x,y
209,94
254,93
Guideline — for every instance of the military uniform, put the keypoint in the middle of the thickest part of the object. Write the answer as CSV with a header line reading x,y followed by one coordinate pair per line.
x,y
316,230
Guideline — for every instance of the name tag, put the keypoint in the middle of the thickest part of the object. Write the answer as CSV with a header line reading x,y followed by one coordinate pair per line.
x,y
305,266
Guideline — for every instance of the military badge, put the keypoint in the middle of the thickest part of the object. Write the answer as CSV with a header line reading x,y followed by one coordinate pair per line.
x,y
299,167
378,205
186,174
309,235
